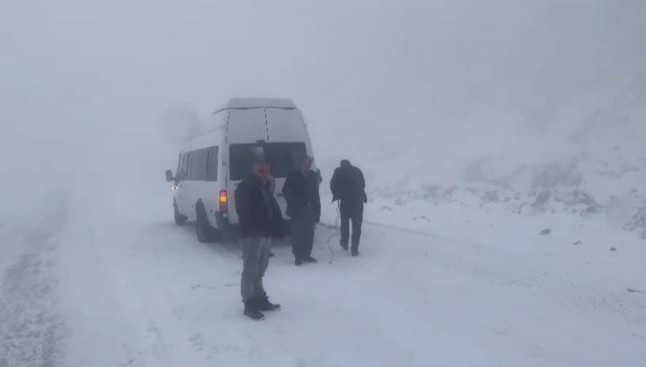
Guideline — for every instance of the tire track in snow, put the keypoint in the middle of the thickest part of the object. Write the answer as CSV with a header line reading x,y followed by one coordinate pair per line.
x,y
30,328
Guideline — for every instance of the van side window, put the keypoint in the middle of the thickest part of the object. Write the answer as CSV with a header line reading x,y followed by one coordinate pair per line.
x,y
198,166
212,171
180,167
187,166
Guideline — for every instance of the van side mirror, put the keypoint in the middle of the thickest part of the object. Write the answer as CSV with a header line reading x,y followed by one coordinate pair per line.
x,y
169,175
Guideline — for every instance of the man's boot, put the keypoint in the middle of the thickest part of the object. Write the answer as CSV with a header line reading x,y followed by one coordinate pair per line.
x,y
251,310
344,244
263,304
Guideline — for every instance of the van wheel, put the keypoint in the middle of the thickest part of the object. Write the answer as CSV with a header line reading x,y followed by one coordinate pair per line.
x,y
205,233
180,220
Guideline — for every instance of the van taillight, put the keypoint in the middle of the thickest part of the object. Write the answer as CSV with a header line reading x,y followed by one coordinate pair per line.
x,y
224,201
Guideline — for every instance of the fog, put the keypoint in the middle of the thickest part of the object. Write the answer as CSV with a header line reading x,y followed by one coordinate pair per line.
x,y
95,86
502,142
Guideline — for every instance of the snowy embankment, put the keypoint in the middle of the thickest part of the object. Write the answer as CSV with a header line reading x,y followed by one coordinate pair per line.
x,y
33,213
581,177
123,286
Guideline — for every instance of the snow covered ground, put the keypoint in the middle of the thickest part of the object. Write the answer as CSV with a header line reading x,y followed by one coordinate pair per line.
x,y
518,257
504,158
86,282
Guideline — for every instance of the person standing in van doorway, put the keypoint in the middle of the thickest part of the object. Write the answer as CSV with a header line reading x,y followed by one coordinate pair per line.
x,y
271,187
301,190
348,186
260,221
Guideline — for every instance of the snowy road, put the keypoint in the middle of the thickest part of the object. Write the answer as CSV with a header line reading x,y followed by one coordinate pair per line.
x,y
99,287
30,328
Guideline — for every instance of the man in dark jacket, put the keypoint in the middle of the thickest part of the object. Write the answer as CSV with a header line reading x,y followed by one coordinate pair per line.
x,y
348,186
301,190
260,220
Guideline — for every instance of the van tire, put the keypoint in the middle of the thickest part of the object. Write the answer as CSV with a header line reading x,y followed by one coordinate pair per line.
x,y
180,220
205,233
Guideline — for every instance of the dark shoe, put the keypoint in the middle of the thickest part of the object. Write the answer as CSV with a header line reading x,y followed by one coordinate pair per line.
x,y
355,252
263,304
298,261
344,245
251,311
309,259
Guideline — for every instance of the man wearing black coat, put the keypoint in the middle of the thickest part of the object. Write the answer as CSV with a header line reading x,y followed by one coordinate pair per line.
x,y
301,190
260,221
348,186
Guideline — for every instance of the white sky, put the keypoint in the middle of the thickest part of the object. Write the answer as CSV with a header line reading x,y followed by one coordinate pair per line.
x,y
86,82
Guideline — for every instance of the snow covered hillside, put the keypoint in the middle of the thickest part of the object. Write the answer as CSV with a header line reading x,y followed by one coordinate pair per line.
x,y
587,160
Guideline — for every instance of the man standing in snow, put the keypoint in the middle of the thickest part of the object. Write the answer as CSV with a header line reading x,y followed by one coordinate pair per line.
x,y
301,190
260,220
348,186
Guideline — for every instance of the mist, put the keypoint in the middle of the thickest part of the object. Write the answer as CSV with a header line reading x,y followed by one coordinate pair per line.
x,y
501,141
89,86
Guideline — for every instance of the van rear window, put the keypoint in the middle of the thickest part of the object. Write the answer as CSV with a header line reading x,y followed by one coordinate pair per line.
x,y
283,157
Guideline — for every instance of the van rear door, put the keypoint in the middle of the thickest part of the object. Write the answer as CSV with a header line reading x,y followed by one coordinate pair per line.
x,y
284,158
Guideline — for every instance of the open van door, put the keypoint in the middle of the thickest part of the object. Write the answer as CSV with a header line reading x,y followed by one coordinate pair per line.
x,y
284,158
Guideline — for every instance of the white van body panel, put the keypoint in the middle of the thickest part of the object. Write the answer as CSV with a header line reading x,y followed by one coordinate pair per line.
x,y
249,103
286,126
246,126
252,121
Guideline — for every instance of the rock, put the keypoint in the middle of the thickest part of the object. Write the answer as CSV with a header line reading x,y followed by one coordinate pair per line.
x,y
431,191
613,249
592,210
638,222
490,197
546,231
541,199
577,243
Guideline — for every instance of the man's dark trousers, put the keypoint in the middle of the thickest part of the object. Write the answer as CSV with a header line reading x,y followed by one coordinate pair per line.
x,y
351,210
303,234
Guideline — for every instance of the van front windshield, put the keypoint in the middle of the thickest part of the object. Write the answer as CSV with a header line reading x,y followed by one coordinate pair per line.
x,y
283,157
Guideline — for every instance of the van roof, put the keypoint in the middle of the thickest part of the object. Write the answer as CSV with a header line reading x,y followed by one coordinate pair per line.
x,y
254,103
